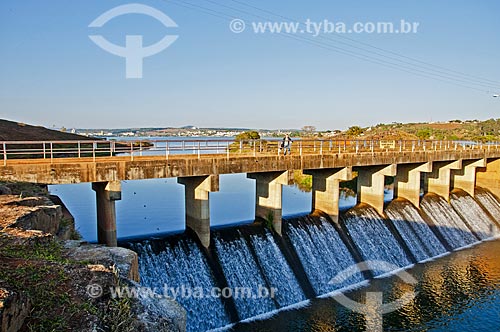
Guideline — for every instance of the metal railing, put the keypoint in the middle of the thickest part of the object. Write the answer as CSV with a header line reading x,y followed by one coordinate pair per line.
x,y
15,150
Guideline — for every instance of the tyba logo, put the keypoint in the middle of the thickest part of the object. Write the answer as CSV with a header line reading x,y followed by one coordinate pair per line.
x,y
374,308
133,51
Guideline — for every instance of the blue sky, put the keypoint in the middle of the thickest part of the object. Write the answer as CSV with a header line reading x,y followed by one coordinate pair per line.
x,y
51,73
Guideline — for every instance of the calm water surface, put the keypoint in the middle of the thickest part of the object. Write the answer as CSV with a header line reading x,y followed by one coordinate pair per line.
x,y
157,206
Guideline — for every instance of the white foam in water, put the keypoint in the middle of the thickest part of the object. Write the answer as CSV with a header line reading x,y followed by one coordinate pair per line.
x,y
448,222
349,288
264,316
241,270
183,265
276,270
322,254
374,240
422,242
472,212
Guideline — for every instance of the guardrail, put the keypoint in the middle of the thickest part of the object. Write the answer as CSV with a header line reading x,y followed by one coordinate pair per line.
x,y
11,150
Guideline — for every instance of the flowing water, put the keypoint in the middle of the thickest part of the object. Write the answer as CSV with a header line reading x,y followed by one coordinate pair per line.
x,y
458,292
257,265
251,257
490,203
241,270
277,271
321,252
447,221
474,215
182,267
374,240
417,235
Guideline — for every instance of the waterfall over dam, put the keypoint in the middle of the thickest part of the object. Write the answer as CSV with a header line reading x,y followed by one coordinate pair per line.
x,y
416,233
312,250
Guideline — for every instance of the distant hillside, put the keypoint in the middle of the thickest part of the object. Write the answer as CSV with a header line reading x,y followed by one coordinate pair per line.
x,y
15,131
485,131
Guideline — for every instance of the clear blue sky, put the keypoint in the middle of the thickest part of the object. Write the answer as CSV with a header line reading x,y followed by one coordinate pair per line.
x,y
51,73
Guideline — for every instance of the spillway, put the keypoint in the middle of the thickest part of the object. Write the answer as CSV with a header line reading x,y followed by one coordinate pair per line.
x,y
474,215
321,252
373,238
447,221
182,265
312,251
416,233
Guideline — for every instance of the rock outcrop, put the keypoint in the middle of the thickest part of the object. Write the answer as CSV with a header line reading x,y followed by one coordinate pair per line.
x,y
14,309
35,214
40,220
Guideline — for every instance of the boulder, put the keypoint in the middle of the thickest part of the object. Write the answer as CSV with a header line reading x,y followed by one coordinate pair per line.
x,y
158,313
125,260
153,312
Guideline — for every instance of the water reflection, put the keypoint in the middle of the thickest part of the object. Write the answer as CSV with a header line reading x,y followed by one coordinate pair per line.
x,y
154,207
458,292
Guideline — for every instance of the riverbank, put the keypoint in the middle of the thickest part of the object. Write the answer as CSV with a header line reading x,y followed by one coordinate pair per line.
x,y
45,273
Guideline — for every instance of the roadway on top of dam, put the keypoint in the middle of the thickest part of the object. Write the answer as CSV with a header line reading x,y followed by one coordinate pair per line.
x,y
52,170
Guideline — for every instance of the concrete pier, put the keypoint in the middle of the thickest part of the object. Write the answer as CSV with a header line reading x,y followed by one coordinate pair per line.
x,y
465,178
269,195
407,183
106,195
197,189
439,180
325,189
489,177
371,181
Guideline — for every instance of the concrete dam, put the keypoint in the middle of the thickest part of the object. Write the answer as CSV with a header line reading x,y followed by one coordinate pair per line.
x,y
445,199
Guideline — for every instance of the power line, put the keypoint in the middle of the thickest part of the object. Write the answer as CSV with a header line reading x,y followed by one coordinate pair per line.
x,y
423,73
199,8
478,78
421,68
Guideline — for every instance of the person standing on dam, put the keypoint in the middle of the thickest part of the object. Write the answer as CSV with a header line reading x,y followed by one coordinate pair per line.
x,y
286,144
